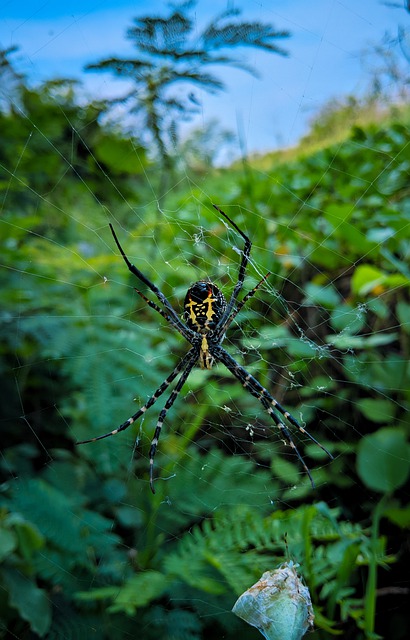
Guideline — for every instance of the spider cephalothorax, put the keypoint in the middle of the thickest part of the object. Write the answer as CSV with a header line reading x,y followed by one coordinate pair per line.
x,y
207,317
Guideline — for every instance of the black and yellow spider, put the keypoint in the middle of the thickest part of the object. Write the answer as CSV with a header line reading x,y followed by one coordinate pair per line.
x,y
207,317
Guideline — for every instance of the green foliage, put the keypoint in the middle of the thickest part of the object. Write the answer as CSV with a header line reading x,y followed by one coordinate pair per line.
x,y
384,459
335,119
61,152
83,544
207,561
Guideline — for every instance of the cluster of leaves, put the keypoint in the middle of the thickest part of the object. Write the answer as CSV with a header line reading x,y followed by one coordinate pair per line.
x,y
83,544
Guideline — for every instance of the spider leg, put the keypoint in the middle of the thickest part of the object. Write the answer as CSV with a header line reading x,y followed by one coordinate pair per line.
x,y
164,411
242,268
239,306
269,403
164,314
173,317
184,362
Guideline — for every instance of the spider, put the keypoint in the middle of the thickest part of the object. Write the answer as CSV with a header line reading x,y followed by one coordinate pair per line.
x,y
207,316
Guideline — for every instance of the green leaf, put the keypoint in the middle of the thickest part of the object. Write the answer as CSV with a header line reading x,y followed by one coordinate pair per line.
x,y
399,516
31,602
325,296
338,213
7,543
395,180
361,342
299,348
403,314
347,319
365,278
380,235
285,470
368,279
120,155
28,536
383,460
139,591
377,409
384,374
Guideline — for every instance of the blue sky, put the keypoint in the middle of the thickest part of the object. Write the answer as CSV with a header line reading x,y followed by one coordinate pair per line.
x,y
325,60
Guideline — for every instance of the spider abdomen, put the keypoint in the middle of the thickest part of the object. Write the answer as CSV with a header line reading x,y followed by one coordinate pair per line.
x,y
204,306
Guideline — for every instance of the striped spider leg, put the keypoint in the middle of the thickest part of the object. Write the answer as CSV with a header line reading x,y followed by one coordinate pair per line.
x,y
270,404
185,365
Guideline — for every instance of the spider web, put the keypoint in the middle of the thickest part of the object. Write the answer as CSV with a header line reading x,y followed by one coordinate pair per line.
x,y
215,431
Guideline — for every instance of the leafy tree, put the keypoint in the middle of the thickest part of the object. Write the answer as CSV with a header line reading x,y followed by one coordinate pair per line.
x,y
54,154
10,79
171,54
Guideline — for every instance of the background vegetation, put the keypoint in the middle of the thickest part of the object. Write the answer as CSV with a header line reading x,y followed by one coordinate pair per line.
x,y
84,546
